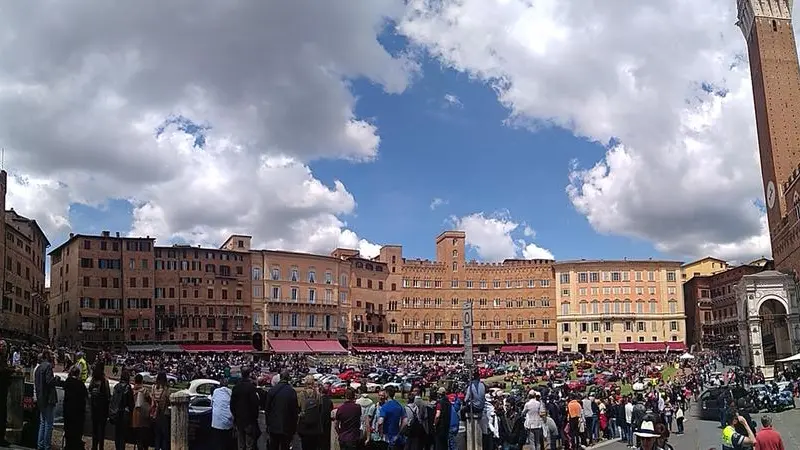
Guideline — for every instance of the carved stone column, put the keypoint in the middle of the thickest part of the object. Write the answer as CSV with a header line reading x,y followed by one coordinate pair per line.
x,y
744,344
756,344
179,421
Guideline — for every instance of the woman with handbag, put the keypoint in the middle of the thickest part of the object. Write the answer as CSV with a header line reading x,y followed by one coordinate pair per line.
x,y
140,417
158,412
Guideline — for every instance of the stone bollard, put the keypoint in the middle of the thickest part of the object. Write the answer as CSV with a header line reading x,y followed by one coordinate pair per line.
x,y
16,391
179,421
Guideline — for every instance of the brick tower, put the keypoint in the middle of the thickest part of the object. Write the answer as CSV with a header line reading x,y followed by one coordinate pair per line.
x,y
767,27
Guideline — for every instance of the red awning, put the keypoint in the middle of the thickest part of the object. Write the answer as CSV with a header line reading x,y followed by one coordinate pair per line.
x,y
326,347
547,348
448,349
288,346
641,346
518,349
416,349
202,348
376,349
651,346
676,346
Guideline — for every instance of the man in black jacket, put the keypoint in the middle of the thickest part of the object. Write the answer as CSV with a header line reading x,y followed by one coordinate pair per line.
x,y
281,410
46,398
442,419
244,409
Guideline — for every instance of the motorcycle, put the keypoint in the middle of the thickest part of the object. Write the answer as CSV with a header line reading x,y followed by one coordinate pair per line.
x,y
784,401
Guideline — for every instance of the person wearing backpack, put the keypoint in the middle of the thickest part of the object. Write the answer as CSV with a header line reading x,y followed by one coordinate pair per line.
x,y
120,408
374,440
309,426
473,409
475,397
416,433
100,402
140,416
441,420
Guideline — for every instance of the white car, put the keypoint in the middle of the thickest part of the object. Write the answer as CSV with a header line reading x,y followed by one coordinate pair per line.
x,y
200,388
371,387
150,378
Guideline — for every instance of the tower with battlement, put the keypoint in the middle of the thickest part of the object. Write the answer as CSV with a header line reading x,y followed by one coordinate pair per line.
x,y
772,50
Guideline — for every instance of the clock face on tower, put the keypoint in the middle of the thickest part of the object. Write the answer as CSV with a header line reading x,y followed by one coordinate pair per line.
x,y
771,194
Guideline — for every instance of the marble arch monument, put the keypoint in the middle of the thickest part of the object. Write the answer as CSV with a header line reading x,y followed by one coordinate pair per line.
x,y
769,324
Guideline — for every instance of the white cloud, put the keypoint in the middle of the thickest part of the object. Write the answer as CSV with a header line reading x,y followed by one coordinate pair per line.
x,y
83,87
437,202
453,101
685,174
529,232
491,237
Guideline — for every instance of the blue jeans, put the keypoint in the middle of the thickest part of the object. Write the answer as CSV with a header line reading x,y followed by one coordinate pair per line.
x,y
45,438
452,438
612,425
629,433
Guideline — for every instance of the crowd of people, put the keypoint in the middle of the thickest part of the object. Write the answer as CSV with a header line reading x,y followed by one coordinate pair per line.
x,y
530,405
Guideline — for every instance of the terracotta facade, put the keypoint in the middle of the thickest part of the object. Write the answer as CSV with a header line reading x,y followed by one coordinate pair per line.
x,y
23,310
108,290
512,300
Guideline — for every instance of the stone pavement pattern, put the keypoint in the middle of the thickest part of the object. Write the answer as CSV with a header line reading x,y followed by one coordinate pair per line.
x,y
705,434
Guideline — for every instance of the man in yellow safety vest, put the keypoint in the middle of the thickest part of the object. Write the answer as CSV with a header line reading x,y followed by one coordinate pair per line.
x,y
731,439
83,365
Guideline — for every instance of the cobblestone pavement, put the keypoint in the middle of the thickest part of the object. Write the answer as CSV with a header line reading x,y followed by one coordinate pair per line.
x,y
705,434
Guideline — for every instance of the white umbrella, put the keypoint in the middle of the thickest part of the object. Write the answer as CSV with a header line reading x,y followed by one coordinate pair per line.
x,y
638,386
686,356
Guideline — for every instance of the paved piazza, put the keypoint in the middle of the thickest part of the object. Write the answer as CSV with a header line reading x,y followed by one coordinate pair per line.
x,y
705,434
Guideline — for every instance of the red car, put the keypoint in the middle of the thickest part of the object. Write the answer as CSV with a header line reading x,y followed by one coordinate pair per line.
x,y
576,385
348,375
337,391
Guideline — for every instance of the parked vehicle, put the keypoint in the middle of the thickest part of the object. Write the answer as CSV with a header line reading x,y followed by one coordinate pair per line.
x,y
200,388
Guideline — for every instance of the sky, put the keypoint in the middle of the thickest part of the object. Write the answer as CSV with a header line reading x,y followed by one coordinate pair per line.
x,y
599,129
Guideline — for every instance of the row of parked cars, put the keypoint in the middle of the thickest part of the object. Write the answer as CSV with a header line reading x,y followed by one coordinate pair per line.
x,y
371,381
710,399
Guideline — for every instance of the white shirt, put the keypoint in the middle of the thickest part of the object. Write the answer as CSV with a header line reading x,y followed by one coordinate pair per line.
x,y
532,410
34,384
221,417
629,412
15,359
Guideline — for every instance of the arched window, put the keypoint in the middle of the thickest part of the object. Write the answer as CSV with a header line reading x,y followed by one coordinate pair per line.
x,y
595,307
627,306
565,309
584,305
606,306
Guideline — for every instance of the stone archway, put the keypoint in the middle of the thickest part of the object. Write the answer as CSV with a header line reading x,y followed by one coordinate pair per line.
x,y
768,319
775,342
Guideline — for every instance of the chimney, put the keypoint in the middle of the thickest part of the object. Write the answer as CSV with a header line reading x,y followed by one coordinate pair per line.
x,y
117,233
106,233
71,235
